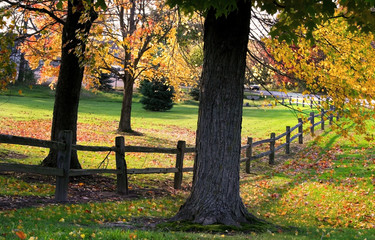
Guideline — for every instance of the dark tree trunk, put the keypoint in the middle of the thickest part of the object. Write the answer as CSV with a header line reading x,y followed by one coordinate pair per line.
x,y
215,196
21,69
65,112
126,108
22,64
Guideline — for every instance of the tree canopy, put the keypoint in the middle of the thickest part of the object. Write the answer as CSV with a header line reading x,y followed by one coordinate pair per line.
x,y
339,66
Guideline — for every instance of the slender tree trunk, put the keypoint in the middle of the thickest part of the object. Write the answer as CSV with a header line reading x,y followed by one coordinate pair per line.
x,y
22,64
128,79
65,112
21,69
126,108
215,196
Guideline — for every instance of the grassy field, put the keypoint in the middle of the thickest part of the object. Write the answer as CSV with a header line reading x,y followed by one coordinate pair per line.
x,y
325,191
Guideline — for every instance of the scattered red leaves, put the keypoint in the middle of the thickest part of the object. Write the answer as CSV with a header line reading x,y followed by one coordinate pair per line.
x,y
20,234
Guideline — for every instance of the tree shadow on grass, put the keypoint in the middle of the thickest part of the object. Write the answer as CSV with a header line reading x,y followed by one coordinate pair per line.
x,y
87,189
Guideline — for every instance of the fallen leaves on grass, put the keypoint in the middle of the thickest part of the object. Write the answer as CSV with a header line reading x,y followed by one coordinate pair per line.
x,y
313,190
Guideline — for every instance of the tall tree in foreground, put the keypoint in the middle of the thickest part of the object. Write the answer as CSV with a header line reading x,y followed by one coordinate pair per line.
x,y
215,194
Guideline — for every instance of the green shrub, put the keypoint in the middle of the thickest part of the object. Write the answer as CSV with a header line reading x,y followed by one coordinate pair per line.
x,y
194,93
157,95
105,82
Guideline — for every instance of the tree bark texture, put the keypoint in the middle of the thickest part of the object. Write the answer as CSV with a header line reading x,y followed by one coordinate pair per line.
x,y
65,112
126,108
215,196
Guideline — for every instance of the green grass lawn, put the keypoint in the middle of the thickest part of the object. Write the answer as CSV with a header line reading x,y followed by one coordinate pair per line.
x,y
325,191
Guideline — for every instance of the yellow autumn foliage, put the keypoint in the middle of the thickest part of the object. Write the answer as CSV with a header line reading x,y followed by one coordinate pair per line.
x,y
339,65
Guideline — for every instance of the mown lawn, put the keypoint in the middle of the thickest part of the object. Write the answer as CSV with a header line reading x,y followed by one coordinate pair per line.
x,y
325,191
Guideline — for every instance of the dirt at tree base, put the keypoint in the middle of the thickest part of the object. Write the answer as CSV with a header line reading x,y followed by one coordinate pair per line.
x,y
81,190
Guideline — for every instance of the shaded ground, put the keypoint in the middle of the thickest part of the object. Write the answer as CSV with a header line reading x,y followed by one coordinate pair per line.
x,y
81,190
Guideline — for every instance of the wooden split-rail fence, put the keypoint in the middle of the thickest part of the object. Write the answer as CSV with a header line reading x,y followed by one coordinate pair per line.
x,y
289,137
64,147
304,101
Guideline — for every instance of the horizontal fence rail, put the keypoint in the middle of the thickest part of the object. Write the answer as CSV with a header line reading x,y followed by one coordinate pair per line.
x,y
13,167
31,142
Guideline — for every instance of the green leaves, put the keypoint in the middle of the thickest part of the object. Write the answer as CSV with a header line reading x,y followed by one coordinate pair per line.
x,y
101,4
222,7
59,5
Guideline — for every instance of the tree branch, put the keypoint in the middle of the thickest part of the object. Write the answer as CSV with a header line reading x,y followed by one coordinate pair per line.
x,y
42,10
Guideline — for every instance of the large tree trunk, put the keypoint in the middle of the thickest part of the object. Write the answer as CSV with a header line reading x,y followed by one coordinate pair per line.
x,y
65,112
126,108
215,196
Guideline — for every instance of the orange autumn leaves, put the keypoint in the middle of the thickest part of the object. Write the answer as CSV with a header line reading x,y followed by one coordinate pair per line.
x,y
147,47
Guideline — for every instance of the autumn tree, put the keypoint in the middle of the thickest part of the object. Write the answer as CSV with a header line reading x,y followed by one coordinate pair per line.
x,y
215,194
7,65
134,41
73,20
338,65
7,38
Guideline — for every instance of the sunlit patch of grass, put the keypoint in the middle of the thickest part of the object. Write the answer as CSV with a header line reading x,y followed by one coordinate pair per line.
x,y
327,188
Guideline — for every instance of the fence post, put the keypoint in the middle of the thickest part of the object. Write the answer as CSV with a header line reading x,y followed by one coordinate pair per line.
x,y
122,175
249,152
63,162
312,122
181,145
331,115
300,131
311,103
290,100
272,149
322,120
287,146
303,102
297,100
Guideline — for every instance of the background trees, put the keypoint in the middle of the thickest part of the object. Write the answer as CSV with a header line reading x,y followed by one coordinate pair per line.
x,y
132,40
7,65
